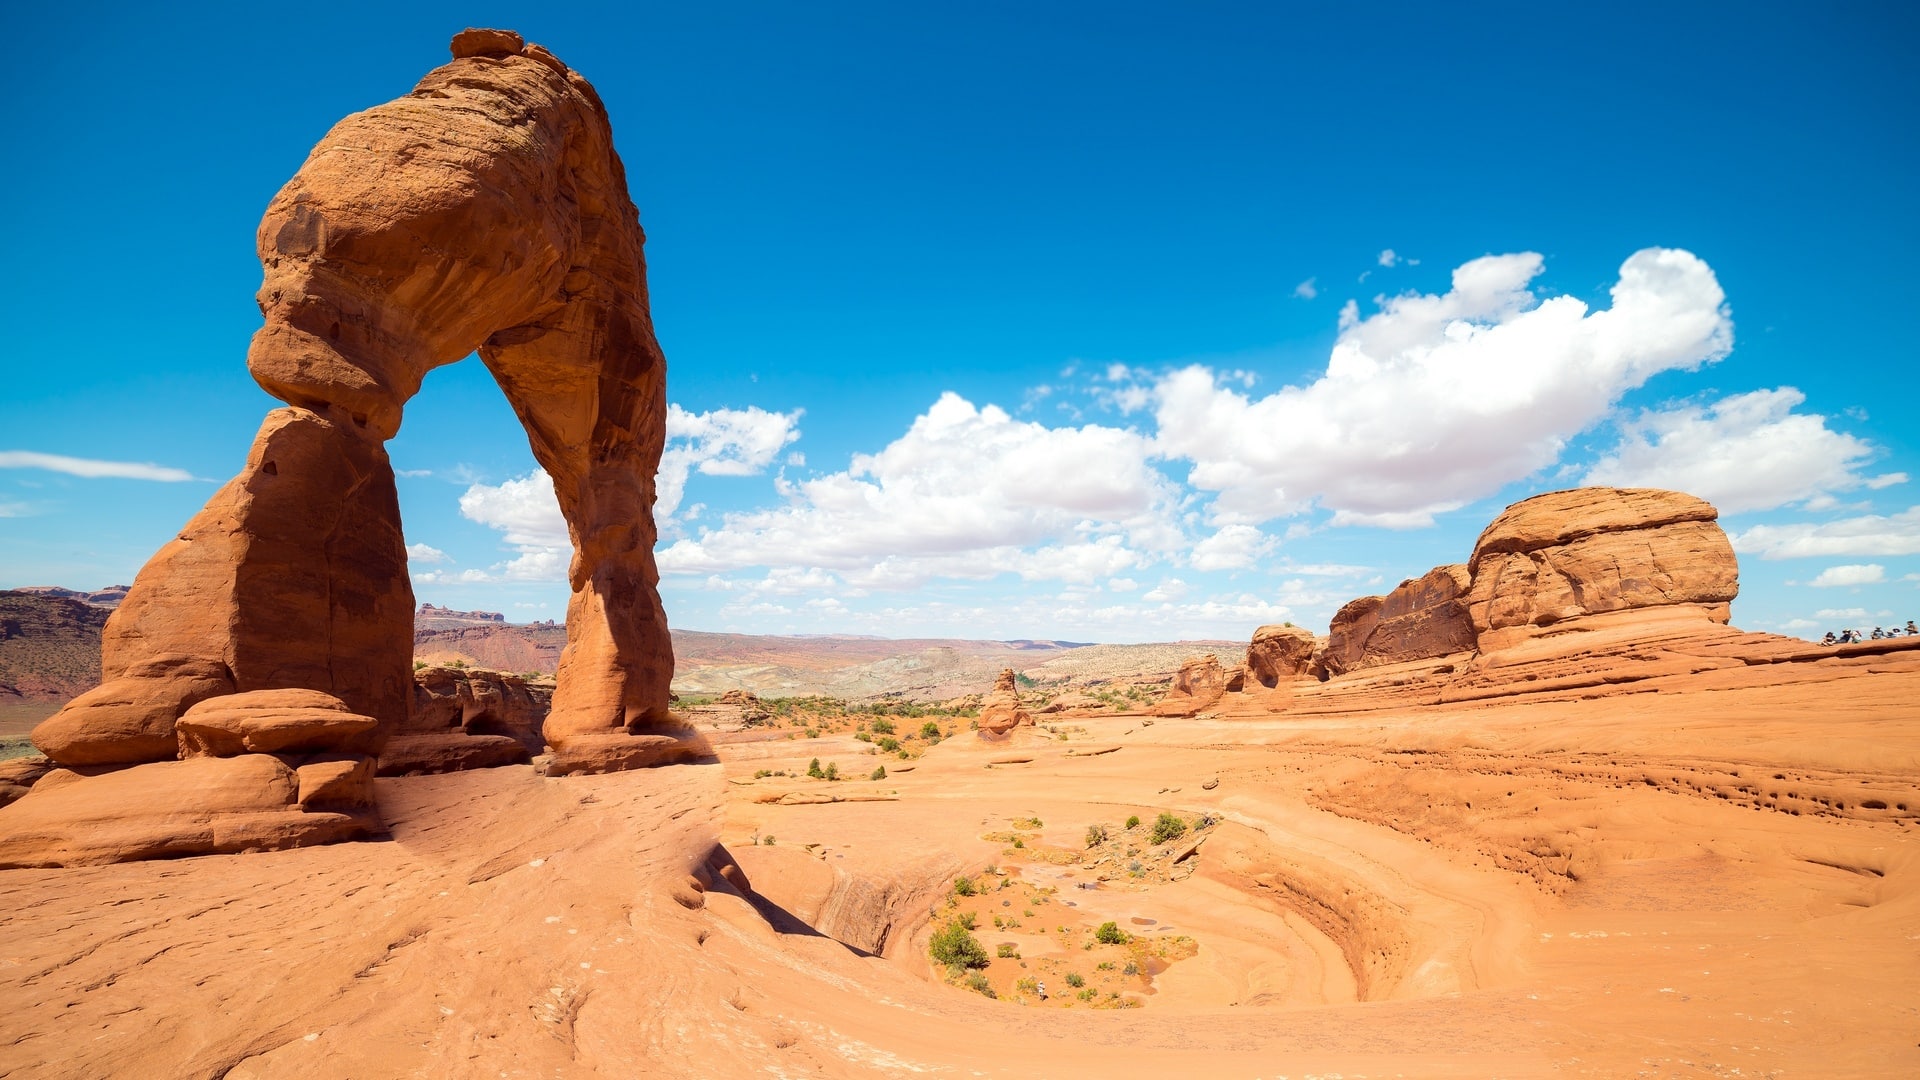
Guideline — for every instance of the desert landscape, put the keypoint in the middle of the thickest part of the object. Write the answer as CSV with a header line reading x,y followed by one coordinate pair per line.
x,y
1540,811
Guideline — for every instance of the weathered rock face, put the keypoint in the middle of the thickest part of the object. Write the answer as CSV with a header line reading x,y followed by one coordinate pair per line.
x,y
1199,684
484,211
1590,551
467,719
1347,636
1001,712
1422,618
1279,653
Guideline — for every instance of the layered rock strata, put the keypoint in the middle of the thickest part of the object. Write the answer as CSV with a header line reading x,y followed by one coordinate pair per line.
x,y
485,211
1590,551
1421,618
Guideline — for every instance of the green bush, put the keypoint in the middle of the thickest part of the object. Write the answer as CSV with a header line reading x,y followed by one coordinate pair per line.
x,y
833,771
964,886
1167,827
1074,980
863,736
889,744
930,730
1096,835
954,946
1110,933
1133,821
1008,951
813,770
978,983
882,726
879,773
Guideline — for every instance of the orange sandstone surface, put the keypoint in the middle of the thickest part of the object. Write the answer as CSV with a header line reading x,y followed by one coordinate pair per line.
x,y
1544,812
1709,869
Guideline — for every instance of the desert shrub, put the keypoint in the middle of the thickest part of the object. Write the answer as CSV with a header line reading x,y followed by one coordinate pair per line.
x,y
930,730
1028,985
419,665
1110,933
761,774
1167,827
964,886
457,665
1029,823
767,840
863,736
832,771
1104,965
813,733
1131,969
954,946
813,770
882,726
1008,951
1096,835
889,744
978,983
1088,994
1133,821
879,773
1075,980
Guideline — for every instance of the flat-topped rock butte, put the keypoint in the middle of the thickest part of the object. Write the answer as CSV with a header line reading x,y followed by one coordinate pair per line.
x,y
1539,812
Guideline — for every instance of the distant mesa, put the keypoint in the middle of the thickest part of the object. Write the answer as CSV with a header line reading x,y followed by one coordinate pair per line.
x,y
428,613
108,597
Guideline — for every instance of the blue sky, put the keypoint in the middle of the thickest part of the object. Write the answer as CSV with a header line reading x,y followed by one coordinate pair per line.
x,y
1108,322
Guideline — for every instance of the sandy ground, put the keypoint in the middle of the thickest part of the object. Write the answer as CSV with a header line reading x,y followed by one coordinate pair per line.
x,y
1716,877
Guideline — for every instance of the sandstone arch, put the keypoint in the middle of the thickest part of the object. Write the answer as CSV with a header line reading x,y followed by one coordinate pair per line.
x,y
262,655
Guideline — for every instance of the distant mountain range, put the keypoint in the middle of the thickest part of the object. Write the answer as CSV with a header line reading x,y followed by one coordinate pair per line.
x,y
50,651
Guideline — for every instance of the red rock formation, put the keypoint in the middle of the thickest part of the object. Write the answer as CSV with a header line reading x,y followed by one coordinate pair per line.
x,y
484,211
467,720
1347,636
1001,712
1199,684
1421,618
1279,653
1589,551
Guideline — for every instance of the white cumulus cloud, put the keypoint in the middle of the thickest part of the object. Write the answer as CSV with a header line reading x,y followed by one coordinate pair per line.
x,y
425,553
1307,290
1868,534
967,492
1853,574
1744,452
722,442
1437,400
1233,547
91,468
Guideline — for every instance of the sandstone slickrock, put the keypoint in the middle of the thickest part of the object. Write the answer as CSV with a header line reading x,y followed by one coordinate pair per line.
x,y
1002,711
1588,551
485,211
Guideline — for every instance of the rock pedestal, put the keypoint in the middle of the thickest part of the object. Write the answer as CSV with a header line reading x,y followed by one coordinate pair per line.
x,y
1002,711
